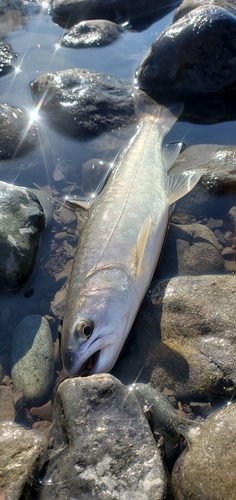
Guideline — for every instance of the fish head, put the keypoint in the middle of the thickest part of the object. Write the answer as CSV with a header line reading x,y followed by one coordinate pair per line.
x,y
92,340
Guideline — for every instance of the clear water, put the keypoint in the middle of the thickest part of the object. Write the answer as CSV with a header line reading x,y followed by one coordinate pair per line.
x,y
35,41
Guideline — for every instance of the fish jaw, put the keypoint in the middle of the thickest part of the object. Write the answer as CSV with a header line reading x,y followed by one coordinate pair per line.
x,y
108,309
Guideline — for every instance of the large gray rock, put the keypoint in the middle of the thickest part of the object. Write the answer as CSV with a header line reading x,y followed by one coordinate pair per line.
x,y
184,337
84,102
195,54
187,5
95,33
22,219
17,134
207,469
103,445
32,361
20,454
7,409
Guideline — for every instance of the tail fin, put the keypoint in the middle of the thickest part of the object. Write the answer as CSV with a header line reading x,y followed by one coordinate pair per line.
x,y
147,109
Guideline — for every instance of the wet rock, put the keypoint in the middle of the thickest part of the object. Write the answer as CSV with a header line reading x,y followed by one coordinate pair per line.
x,y
95,33
7,57
20,453
159,412
206,470
7,409
17,134
69,12
32,361
187,5
84,102
184,338
190,249
106,446
195,54
22,220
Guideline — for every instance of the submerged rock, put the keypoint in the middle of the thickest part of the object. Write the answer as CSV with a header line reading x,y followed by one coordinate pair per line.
x,y
207,469
184,337
84,102
103,445
95,33
32,361
20,454
22,220
7,56
17,134
195,54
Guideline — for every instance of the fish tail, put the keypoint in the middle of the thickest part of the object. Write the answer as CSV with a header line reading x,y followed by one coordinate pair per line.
x,y
146,109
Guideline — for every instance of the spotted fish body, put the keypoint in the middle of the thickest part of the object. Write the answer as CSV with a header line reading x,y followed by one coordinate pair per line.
x,y
120,246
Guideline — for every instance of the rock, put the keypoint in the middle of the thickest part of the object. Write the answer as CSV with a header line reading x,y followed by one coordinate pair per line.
x,y
176,61
184,338
106,446
187,5
232,215
32,361
190,249
20,453
22,220
158,411
17,134
7,56
69,12
95,33
7,410
206,470
84,102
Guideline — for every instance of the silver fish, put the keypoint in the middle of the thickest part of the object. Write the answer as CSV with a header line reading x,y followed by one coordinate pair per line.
x,y
120,245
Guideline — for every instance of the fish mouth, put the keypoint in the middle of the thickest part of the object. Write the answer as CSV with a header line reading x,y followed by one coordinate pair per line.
x,y
87,366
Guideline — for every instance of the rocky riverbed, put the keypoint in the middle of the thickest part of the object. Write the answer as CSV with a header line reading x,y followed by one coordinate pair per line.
x,y
162,424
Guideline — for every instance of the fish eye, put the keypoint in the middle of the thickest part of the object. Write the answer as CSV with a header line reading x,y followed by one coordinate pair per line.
x,y
84,329
87,330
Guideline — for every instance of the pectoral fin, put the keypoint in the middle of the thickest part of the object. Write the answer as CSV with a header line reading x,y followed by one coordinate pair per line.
x,y
141,245
76,202
180,184
170,152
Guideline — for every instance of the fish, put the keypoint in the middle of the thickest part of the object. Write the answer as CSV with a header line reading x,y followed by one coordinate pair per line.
x,y
121,243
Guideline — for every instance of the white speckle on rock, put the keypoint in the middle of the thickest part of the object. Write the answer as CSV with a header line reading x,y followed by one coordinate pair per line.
x,y
25,230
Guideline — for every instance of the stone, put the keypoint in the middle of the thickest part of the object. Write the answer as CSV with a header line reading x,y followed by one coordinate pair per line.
x,y
206,470
177,63
7,57
187,5
18,135
83,102
190,249
7,409
95,33
21,451
103,445
184,338
22,220
32,361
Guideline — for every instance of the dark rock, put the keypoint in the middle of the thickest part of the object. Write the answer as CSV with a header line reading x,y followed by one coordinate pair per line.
x,y
32,361
136,12
22,220
7,56
159,412
84,102
17,133
20,453
206,470
187,5
103,445
95,33
196,54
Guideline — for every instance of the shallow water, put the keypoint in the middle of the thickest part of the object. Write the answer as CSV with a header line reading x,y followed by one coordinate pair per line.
x,y
35,39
